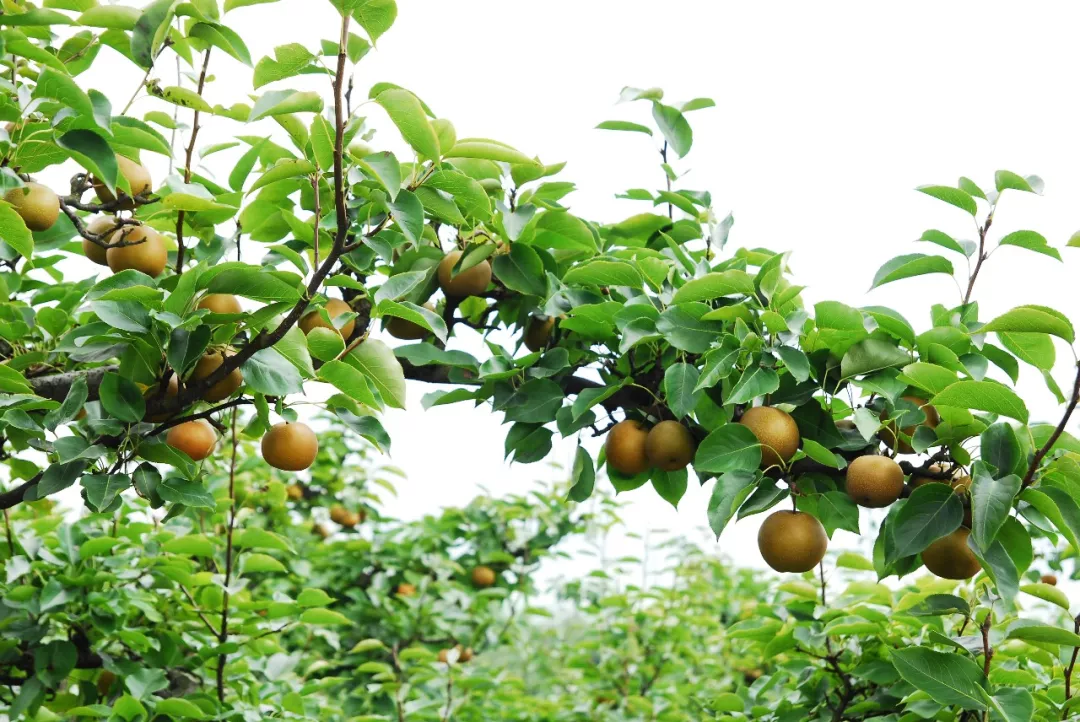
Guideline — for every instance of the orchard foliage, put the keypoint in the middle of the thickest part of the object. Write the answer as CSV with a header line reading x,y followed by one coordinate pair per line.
x,y
150,388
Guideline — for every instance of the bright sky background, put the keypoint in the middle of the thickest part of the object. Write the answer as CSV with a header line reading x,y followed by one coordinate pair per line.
x,y
828,117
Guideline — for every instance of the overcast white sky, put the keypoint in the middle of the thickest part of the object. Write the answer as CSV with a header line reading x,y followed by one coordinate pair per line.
x,y
828,116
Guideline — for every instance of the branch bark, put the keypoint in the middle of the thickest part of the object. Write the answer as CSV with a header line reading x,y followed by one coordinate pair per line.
x,y
187,166
1029,477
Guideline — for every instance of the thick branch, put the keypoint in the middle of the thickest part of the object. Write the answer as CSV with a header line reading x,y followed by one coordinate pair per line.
x,y
56,386
1036,460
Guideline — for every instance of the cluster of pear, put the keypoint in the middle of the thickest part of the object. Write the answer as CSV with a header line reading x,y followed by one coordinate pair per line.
x,y
631,449
794,541
39,208
289,446
481,576
470,282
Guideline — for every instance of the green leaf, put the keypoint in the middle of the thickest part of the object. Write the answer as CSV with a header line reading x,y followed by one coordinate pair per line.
x,y
288,61
1011,704
521,270
224,38
604,273
983,396
408,115
991,501
150,31
190,545
729,492
583,476
121,398
1044,634
682,326
953,196
256,562
255,283
178,707
283,170
269,372
949,678
715,285
755,381
931,512
624,125
730,448
102,489
1032,319
1032,241
188,493
283,102
14,232
488,150
1005,179
1047,593
670,485
674,127
324,617
680,382
384,168
349,380
376,360
374,16
1001,449
944,240
871,355
1059,508
408,213
927,376
413,313
910,265
91,150
116,17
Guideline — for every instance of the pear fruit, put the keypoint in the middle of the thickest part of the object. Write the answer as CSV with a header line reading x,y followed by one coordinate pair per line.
x,y
874,482
405,329
99,226
471,282
669,446
538,332
483,577
38,205
625,447
290,446
220,303
334,308
405,590
196,438
149,257
207,365
138,178
950,557
792,541
776,431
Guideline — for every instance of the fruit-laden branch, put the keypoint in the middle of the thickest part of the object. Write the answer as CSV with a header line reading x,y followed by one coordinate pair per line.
x,y
1036,460
73,202
197,389
187,165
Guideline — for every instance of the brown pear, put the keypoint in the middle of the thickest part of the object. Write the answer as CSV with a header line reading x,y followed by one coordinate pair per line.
x,y
154,392
220,303
99,226
1050,579
792,541
334,308
874,482
669,446
38,205
197,438
294,492
405,329
290,446
483,577
950,557
538,332
405,590
471,282
138,178
207,365
776,431
625,447
150,256
888,433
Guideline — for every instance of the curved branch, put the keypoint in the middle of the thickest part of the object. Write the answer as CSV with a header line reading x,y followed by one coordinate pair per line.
x,y
1036,460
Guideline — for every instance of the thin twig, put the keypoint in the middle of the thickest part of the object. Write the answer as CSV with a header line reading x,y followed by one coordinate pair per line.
x,y
224,636
187,165
1029,477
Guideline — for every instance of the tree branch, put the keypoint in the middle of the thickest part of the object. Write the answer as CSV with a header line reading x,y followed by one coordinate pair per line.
x,y
187,165
1029,477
